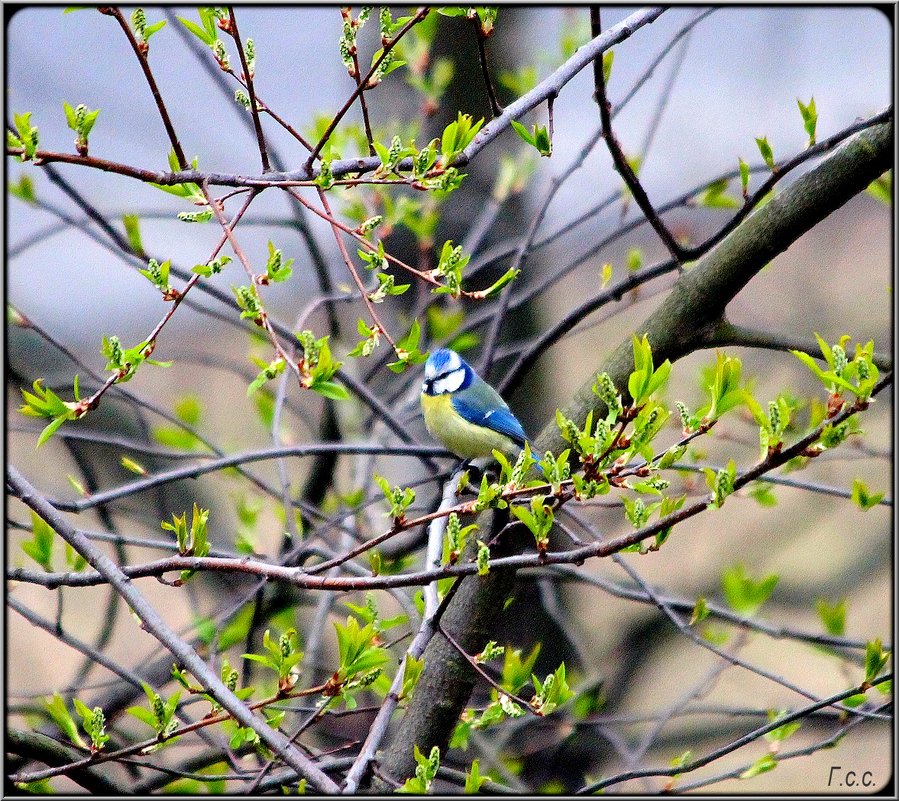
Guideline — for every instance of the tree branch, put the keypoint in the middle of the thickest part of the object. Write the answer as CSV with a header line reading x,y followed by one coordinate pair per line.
x,y
495,107
151,82
726,333
155,625
618,157
697,301
248,77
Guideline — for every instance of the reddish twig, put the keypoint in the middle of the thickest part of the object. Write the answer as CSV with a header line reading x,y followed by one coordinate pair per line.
x,y
248,77
483,673
618,157
495,107
364,106
176,300
141,54
381,328
360,87
578,555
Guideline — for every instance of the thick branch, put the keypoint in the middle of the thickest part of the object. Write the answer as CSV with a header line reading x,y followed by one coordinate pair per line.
x,y
34,745
687,319
682,324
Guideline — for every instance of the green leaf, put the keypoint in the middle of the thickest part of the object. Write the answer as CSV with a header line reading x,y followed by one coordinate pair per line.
x,y
875,659
882,188
93,723
537,137
204,35
132,232
763,764
331,389
483,559
144,715
56,708
766,151
23,189
443,323
700,611
833,616
784,732
189,409
521,81
40,548
407,350
236,630
725,392
862,497
744,178
714,197
762,494
608,59
473,779
681,760
70,116
552,692
744,594
517,670
28,135
411,674
496,287
74,559
809,118
425,771
133,466
457,136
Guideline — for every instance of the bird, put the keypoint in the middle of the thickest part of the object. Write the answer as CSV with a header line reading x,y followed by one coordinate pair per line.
x,y
464,412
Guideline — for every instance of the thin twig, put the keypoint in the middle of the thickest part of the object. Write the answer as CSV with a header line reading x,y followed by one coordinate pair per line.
x,y
730,747
618,157
495,107
155,625
248,77
419,15
151,82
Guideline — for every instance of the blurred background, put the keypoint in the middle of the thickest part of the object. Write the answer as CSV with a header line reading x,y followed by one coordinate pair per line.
x,y
735,77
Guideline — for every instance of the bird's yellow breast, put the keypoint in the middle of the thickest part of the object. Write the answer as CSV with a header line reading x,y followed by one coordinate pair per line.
x,y
458,435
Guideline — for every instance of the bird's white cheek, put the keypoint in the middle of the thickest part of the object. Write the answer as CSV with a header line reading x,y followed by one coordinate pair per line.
x,y
449,383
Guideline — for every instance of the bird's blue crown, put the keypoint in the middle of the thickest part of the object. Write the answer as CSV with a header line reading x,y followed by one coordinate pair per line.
x,y
446,371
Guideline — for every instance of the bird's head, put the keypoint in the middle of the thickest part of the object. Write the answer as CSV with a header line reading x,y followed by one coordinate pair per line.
x,y
446,372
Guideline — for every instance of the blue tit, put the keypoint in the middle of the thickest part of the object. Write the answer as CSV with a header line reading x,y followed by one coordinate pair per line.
x,y
464,412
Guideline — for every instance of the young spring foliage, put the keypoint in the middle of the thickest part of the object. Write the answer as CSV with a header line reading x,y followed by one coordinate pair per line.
x,y
318,367
745,594
407,351
81,120
159,714
537,137
399,498
857,376
425,772
44,402
282,657
809,118
190,543
25,137
361,659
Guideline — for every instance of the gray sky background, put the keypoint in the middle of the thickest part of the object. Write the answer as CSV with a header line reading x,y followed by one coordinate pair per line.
x,y
744,69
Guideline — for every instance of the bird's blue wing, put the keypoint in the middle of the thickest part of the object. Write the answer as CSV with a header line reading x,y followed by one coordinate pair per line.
x,y
483,408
